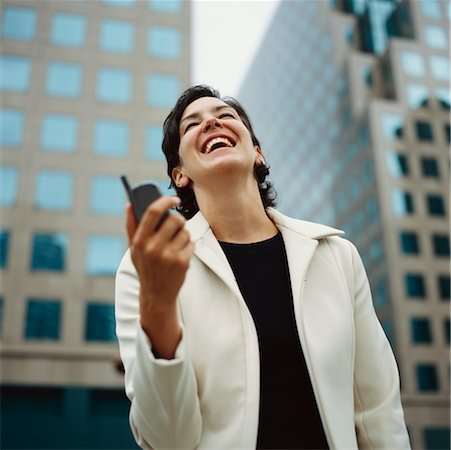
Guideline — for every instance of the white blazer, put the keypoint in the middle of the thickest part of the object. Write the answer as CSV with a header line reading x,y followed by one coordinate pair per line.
x,y
207,397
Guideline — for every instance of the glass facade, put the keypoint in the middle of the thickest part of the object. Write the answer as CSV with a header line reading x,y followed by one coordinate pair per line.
x,y
154,139
103,255
164,42
166,6
68,30
64,79
440,68
18,23
424,131
427,380
435,205
415,286
111,138
117,36
402,203
429,167
437,438
11,127
413,63
430,8
114,85
59,133
49,252
54,190
43,318
398,164
8,183
444,286
392,126
162,90
107,195
4,248
100,322
440,245
409,243
14,73
435,37
417,96
421,331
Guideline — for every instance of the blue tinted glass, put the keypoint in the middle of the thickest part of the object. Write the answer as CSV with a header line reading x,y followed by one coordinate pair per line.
x,y
19,23
14,73
409,242
392,125
444,98
68,30
440,244
424,131
430,8
154,139
43,319
429,167
163,90
49,251
444,286
402,203
440,67
167,6
114,85
435,37
437,438
100,322
11,127
117,36
122,3
107,195
435,205
427,377
8,184
414,284
421,331
111,138
54,190
4,247
447,330
417,96
59,133
397,164
64,79
413,63
104,254
164,42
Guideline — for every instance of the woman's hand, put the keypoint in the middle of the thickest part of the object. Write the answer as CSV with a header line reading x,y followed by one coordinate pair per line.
x,y
161,258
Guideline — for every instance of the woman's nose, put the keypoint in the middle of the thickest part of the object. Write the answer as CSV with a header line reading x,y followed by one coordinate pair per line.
x,y
212,122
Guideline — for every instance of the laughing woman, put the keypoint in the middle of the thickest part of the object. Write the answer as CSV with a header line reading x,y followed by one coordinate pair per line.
x,y
239,327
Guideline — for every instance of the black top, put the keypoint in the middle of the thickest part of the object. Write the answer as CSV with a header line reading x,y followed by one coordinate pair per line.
x,y
289,417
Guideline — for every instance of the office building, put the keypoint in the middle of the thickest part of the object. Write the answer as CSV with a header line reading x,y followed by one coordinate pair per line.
x,y
85,87
351,101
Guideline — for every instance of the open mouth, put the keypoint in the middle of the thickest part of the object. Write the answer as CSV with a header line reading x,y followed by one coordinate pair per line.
x,y
218,142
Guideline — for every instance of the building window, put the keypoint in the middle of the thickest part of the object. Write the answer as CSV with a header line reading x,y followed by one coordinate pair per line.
x,y
402,203
347,33
49,252
122,3
447,130
114,85
398,164
164,42
107,195
440,67
427,377
409,243
392,126
100,322
117,36
166,6
429,167
367,76
436,438
154,139
43,318
54,190
19,23
59,133
435,37
430,8
417,96
103,255
162,90
111,138
446,330
8,184
11,127
443,98
413,64
424,131
4,248
444,284
64,79
420,331
14,73
435,205
440,244
414,284
68,30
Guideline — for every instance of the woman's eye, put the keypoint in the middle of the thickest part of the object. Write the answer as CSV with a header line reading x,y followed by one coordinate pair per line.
x,y
226,115
189,126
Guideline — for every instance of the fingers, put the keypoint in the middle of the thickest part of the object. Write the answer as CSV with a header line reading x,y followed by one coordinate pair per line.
x,y
131,223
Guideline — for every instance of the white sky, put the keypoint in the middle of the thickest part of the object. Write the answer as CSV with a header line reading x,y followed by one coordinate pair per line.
x,y
226,34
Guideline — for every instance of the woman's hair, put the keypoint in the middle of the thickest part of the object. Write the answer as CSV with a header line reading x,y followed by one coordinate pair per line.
x,y
171,141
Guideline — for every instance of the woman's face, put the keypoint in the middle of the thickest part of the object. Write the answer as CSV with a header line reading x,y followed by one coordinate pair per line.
x,y
214,142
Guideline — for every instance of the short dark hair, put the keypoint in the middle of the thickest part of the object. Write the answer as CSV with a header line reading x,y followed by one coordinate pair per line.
x,y
171,143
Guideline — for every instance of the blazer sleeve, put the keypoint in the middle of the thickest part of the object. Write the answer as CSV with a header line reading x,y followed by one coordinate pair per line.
x,y
165,410
379,417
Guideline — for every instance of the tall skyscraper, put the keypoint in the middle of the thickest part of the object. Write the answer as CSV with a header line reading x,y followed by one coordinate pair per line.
x,y
351,101
85,87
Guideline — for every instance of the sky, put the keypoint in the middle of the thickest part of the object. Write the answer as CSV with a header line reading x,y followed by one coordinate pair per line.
x,y
226,34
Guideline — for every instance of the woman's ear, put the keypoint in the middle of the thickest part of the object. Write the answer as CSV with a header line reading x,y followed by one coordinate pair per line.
x,y
260,160
180,179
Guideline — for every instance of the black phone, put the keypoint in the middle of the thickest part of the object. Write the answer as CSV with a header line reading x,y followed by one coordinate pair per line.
x,y
141,196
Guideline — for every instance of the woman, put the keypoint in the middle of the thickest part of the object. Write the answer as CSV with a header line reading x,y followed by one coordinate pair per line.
x,y
241,327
